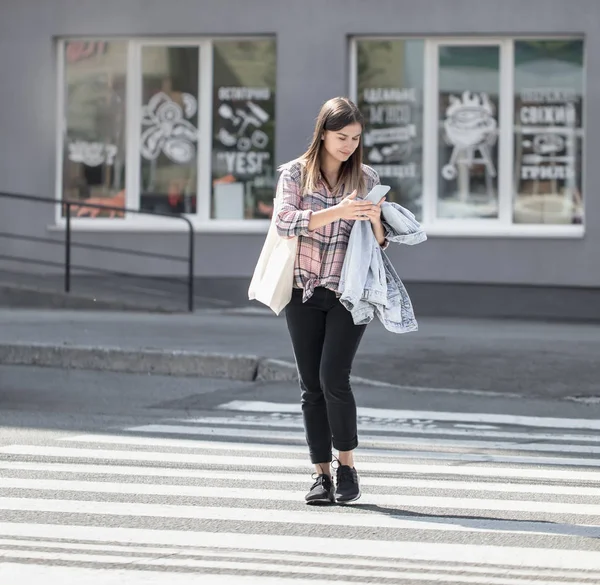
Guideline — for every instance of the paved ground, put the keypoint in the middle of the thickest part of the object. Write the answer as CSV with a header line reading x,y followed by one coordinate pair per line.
x,y
119,478
532,359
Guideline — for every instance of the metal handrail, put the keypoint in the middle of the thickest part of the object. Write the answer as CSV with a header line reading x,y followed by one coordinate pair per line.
x,y
68,243
101,248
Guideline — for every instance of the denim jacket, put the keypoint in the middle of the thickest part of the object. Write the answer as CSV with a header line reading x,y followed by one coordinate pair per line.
x,y
369,284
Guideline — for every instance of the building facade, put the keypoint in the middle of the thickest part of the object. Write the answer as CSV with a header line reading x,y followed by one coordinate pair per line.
x,y
480,115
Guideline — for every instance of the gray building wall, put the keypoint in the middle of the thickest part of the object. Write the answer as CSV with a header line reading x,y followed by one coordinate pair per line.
x,y
312,56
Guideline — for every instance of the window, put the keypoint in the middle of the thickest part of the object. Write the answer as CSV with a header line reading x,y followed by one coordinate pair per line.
x,y
390,95
171,126
94,135
168,151
243,175
548,132
493,137
468,120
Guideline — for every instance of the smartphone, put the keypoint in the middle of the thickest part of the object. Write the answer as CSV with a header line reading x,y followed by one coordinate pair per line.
x,y
376,193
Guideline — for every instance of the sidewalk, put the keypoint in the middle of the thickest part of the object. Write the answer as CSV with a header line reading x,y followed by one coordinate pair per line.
x,y
530,359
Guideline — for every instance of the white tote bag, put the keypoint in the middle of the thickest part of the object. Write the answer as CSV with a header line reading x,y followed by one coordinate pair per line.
x,y
274,273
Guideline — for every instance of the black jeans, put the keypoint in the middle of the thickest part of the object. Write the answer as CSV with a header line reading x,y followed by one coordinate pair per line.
x,y
325,341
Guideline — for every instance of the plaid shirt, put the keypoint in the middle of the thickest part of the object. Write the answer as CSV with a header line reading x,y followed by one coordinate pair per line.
x,y
321,252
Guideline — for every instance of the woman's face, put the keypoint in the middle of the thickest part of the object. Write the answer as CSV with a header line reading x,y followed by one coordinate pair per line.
x,y
341,144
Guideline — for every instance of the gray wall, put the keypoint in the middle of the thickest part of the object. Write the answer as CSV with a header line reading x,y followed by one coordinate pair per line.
x,y
312,41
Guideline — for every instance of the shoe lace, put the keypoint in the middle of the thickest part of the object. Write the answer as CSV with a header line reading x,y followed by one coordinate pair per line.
x,y
344,472
336,463
318,478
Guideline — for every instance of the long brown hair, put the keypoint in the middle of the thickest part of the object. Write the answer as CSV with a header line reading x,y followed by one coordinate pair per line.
x,y
336,113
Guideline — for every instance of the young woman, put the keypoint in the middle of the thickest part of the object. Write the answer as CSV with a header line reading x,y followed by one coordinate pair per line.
x,y
321,199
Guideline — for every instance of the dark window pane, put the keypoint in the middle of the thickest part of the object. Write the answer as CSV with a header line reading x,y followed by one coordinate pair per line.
x,y
469,84
548,132
243,174
169,129
94,137
390,95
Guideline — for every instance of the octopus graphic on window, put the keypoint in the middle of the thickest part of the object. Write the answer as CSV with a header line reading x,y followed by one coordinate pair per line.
x,y
470,128
169,130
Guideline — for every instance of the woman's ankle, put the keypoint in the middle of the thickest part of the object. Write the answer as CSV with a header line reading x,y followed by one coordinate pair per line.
x,y
346,458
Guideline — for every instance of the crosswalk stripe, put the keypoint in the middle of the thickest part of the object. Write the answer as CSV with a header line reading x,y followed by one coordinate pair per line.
x,y
430,415
287,463
236,566
366,440
103,508
323,559
16,574
522,557
416,429
301,450
469,508
220,492
288,478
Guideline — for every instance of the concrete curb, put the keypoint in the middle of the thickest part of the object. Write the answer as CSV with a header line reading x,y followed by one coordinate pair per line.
x,y
247,368
138,361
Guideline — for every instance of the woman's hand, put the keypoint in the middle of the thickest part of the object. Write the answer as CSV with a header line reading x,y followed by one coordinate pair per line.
x,y
374,213
351,208
374,216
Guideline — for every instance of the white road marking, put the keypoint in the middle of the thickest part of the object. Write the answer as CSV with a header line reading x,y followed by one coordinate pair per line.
x,y
282,558
366,440
479,431
171,458
520,557
504,419
289,478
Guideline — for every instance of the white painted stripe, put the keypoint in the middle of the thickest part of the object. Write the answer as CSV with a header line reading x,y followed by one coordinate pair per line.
x,y
269,462
371,574
301,450
288,478
236,566
17,574
13,574
519,557
286,558
367,441
255,494
479,431
312,518
73,557
504,419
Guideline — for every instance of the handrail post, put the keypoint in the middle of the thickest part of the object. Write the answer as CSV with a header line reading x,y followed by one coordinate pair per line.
x,y
68,249
68,204
191,269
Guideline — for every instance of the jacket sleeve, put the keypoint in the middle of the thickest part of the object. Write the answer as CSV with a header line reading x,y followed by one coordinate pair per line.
x,y
291,219
400,225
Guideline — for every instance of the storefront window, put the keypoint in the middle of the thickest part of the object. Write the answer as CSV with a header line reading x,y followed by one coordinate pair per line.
x,y
243,174
169,129
390,96
94,125
469,87
548,132
161,132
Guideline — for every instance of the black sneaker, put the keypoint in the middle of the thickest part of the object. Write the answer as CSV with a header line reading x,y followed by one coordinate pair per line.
x,y
321,491
348,488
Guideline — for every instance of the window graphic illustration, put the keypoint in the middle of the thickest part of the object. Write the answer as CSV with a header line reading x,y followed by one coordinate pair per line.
x,y
253,116
169,130
470,128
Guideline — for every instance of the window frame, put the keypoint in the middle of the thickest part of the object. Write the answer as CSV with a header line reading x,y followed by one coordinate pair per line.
x,y
201,220
502,226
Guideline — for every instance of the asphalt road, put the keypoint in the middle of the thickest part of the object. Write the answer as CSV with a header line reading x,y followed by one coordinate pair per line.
x,y
108,478
533,359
